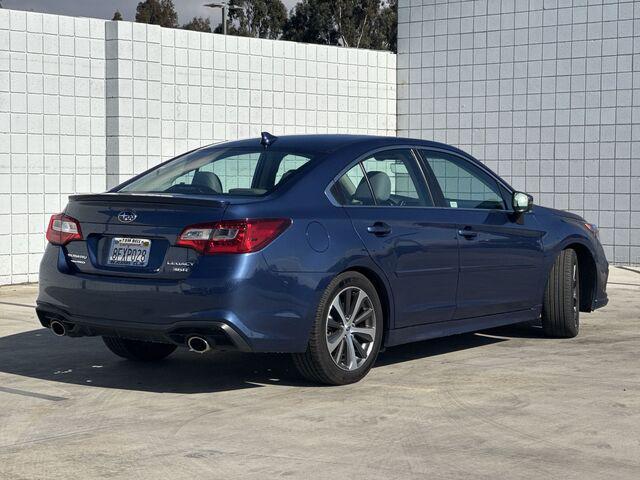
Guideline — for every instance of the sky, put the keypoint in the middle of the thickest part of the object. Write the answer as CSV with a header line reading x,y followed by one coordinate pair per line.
x,y
186,9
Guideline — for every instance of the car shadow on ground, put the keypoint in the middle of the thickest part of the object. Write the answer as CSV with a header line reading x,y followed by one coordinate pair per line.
x,y
38,354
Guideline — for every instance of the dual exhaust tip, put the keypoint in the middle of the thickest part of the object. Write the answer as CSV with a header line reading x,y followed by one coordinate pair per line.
x,y
195,343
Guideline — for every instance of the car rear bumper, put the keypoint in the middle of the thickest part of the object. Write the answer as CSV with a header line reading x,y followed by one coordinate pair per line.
x,y
249,307
220,334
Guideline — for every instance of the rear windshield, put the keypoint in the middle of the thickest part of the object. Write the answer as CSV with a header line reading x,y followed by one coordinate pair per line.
x,y
221,171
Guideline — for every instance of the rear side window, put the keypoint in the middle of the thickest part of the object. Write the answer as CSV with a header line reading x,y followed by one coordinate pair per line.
x,y
463,185
352,188
221,171
389,178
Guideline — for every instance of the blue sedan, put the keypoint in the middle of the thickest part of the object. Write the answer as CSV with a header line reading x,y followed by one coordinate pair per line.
x,y
328,247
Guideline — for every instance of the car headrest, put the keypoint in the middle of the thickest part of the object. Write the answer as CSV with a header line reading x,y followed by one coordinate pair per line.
x,y
207,179
286,174
381,185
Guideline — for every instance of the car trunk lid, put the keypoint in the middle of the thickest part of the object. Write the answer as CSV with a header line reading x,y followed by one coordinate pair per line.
x,y
133,235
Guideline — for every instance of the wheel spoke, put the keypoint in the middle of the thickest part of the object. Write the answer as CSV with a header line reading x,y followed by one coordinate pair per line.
x,y
332,323
352,361
358,304
362,353
362,317
338,352
368,333
334,340
338,308
347,302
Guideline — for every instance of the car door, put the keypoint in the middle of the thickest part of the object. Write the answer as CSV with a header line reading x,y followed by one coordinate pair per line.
x,y
390,206
501,253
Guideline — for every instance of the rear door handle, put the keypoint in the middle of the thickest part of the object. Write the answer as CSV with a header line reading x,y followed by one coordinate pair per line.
x,y
379,229
467,233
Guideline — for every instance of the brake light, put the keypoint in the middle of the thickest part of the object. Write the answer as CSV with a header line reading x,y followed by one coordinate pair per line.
x,y
232,236
63,229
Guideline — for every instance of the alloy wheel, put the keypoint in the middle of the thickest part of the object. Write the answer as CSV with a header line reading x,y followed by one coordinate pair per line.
x,y
351,328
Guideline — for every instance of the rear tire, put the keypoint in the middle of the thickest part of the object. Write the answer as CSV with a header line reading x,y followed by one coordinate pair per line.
x,y
138,350
561,306
346,336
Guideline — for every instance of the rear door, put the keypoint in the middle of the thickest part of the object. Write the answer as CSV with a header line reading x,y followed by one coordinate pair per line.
x,y
389,204
501,254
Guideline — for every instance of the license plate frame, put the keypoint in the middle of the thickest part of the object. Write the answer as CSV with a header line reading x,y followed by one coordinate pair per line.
x,y
129,252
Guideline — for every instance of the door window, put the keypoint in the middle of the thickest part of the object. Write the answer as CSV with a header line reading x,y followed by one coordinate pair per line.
x,y
389,178
396,179
463,185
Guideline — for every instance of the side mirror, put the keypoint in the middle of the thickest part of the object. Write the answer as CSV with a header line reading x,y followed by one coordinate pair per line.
x,y
522,202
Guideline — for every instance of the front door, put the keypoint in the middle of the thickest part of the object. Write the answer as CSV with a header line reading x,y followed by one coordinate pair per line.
x,y
501,254
416,245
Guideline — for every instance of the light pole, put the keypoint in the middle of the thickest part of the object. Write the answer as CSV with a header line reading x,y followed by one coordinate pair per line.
x,y
225,7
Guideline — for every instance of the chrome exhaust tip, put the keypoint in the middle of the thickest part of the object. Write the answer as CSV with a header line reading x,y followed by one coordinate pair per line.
x,y
198,344
58,328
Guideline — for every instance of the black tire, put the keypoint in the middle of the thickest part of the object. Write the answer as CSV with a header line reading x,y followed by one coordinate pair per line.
x,y
561,305
138,350
317,364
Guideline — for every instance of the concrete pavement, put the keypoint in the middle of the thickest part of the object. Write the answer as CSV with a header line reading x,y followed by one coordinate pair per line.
x,y
505,403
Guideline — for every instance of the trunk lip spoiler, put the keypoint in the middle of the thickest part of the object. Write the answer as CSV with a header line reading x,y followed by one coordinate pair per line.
x,y
117,197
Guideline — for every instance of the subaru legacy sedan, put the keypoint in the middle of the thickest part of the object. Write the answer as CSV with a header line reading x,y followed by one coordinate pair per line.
x,y
328,247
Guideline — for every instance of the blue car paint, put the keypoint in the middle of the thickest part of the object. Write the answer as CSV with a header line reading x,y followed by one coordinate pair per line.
x,y
432,280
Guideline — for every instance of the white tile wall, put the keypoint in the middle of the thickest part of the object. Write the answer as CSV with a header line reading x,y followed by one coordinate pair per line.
x,y
169,91
545,92
86,103
52,130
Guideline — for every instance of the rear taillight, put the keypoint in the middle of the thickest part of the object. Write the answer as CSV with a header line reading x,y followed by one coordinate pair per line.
x,y
63,229
232,236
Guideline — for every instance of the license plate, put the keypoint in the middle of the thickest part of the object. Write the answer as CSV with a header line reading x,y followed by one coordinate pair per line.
x,y
129,252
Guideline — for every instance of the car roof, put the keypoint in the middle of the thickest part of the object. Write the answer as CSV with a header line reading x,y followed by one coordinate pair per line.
x,y
329,143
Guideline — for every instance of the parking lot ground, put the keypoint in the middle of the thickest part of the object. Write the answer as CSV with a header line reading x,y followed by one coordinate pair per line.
x,y
505,403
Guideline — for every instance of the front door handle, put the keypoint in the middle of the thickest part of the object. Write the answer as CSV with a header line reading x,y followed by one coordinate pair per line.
x,y
467,233
379,229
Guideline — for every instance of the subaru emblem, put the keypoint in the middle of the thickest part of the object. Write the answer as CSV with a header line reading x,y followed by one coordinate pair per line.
x,y
127,216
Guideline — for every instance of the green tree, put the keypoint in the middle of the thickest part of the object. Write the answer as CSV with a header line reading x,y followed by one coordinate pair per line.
x,y
117,16
350,23
157,12
256,18
198,24
311,21
386,28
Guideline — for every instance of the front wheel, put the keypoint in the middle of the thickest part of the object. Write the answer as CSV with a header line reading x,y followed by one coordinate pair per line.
x,y
138,350
561,306
347,332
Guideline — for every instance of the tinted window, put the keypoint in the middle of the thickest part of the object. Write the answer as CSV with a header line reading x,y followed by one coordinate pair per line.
x,y
352,188
220,171
392,179
288,165
463,184
396,179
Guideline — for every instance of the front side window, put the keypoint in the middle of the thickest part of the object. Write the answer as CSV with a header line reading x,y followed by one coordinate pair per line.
x,y
463,185
388,178
221,171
